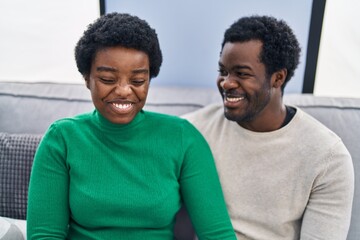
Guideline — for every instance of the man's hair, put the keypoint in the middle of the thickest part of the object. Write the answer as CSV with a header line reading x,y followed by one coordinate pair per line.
x,y
280,49
116,29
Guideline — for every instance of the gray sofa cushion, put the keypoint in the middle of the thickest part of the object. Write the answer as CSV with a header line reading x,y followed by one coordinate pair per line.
x,y
32,107
16,157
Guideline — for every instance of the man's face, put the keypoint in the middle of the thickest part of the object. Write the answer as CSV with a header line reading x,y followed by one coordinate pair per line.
x,y
242,82
119,82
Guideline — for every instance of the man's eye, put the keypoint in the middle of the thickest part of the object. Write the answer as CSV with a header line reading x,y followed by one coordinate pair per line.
x,y
222,72
242,74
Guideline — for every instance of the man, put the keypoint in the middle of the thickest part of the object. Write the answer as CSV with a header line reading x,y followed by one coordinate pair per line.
x,y
283,173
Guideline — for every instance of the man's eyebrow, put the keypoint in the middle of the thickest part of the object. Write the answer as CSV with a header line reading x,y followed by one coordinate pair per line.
x,y
239,67
236,67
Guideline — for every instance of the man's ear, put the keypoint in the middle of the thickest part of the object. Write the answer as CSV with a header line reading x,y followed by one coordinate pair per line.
x,y
278,78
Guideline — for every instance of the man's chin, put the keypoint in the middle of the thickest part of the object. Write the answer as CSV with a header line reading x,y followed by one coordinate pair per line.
x,y
236,117
229,116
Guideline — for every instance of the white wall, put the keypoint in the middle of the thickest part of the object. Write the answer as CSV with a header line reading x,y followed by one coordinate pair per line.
x,y
38,38
338,69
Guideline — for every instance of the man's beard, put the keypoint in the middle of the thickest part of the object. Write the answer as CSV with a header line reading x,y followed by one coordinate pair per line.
x,y
252,111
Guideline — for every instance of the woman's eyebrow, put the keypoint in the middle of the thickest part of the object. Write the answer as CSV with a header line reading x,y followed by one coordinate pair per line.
x,y
106,69
141,70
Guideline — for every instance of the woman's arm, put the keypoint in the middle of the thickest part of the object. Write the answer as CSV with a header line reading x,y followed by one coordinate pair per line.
x,y
201,190
48,207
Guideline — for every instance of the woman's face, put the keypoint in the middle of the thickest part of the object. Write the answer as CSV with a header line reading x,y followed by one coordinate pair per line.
x,y
119,81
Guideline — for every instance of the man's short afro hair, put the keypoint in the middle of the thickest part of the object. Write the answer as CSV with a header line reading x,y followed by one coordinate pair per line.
x,y
118,29
281,49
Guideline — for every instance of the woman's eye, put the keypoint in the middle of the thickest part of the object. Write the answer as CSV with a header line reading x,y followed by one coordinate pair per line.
x,y
107,80
138,82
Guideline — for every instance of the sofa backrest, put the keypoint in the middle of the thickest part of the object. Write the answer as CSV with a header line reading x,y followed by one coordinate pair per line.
x,y
32,107
27,109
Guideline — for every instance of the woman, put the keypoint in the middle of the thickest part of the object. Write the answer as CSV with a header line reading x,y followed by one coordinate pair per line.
x,y
121,172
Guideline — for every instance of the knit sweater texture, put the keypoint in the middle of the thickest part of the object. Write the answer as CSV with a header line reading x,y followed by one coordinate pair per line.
x,y
293,183
92,179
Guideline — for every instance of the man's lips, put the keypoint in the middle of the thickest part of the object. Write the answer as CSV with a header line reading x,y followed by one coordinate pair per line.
x,y
232,100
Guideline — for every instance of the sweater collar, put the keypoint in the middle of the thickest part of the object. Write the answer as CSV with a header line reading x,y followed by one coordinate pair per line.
x,y
106,124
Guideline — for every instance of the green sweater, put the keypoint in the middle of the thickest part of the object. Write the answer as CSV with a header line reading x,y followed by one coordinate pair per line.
x,y
92,179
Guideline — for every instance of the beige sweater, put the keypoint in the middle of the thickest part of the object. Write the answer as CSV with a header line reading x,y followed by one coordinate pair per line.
x,y
293,183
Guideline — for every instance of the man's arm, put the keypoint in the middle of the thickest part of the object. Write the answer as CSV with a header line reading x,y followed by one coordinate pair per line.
x,y
328,212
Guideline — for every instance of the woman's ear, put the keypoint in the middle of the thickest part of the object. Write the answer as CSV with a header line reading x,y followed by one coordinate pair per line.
x,y
278,78
87,81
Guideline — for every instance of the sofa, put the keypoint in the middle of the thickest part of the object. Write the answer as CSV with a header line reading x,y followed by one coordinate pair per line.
x,y
27,109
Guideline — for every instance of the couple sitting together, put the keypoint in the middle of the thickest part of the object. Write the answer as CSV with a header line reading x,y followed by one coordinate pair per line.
x,y
249,168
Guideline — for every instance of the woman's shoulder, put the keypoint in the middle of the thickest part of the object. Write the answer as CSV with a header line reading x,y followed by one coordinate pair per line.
x,y
156,116
170,121
77,118
72,121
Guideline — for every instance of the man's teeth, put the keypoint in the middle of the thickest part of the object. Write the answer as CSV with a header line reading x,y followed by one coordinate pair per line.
x,y
232,99
122,106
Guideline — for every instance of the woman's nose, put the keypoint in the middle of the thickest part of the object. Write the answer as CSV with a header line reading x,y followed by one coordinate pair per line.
x,y
122,89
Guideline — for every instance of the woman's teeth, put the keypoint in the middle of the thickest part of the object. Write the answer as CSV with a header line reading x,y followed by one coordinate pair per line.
x,y
122,106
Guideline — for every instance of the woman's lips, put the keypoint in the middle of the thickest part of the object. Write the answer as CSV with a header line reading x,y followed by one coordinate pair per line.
x,y
122,107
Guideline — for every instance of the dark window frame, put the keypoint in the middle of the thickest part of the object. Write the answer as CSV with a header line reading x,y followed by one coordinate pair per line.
x,y
312,53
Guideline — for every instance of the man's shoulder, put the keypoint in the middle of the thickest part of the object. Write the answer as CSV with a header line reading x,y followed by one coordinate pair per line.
x,y
203,115
313,126
316,135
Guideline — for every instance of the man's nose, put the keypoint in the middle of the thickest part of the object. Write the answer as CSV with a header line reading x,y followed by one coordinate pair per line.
x,y
228,83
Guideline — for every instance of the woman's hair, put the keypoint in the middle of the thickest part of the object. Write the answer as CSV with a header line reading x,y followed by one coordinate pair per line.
x,y
280,49
118,29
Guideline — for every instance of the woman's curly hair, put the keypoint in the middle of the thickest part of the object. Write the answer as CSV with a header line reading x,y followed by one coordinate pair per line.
x,y
118,29
281,49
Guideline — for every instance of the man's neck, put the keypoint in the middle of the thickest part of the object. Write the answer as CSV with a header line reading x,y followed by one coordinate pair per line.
x,y
270,119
